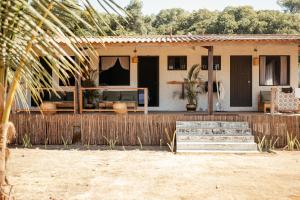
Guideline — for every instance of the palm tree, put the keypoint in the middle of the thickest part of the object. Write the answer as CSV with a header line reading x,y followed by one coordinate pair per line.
x,y
29,29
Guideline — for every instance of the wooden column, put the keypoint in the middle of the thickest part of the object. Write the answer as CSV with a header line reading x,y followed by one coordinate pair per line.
x,y
146,101
210,99
273,100
77,91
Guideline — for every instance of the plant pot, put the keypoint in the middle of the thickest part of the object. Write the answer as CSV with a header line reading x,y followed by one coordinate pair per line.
x,y
191,107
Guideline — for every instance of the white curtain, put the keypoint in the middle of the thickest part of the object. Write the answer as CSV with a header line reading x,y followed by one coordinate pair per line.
x,y
283,70
108,62
269,77
262,72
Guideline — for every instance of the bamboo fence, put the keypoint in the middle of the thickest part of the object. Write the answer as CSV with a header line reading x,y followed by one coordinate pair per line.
x,y
126,129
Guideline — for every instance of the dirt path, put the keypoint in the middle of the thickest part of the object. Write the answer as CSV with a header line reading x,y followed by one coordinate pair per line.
x,y
74,174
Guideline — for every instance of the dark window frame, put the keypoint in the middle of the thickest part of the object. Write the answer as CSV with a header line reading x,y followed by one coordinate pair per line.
x,y
217,57
177,69
288,70
100,67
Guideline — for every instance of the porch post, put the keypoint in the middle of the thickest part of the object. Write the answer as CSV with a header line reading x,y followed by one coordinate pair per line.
x,y
78,94
210,79
273,99
146,101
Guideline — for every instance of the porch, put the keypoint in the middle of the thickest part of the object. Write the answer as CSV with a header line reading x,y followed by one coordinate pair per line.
x,y
133,128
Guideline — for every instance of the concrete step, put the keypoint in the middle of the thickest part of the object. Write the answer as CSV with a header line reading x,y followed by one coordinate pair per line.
x,y
213,138
211,124
216,151
216,146
212,131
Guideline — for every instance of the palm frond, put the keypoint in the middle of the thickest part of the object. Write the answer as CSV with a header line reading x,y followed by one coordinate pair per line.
x,y
191,71
29,30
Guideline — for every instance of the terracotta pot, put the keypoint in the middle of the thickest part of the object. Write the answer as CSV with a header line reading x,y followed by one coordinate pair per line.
x,y
191,107
120,108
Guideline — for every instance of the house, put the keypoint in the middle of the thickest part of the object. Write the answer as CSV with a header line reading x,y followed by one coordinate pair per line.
x,y
243,64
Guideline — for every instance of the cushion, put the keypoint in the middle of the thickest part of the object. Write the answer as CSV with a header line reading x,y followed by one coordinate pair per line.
x,y
265,96
287,101
111,96
129,96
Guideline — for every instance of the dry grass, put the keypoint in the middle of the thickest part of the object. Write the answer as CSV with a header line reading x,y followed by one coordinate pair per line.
x,y
152,174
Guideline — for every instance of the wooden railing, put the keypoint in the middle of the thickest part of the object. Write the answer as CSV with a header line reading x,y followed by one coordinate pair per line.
x,y
118,89
58,104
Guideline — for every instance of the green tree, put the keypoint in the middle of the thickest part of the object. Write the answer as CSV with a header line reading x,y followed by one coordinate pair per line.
x,y
275,22
135,21
245,17
201,22
292,6
171,21
225,24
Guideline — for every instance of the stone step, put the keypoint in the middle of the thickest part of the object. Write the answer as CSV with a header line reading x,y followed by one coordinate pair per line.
x,y
211,124
216,146
200,138
216,151
213,131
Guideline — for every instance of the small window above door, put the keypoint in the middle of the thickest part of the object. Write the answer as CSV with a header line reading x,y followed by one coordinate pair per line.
x,y
177,62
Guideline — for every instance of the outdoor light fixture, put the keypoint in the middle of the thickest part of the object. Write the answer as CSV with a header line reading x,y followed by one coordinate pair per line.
x,y
256,58
135,58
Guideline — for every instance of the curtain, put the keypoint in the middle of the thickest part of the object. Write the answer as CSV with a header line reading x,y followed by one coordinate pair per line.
x,y
274,70
108,62
283,70
270,74
262,72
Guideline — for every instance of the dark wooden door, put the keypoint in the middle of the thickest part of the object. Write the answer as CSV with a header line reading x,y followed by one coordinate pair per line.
x,y
241,81
148,77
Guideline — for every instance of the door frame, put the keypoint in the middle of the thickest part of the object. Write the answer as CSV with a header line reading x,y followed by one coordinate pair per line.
x,y
158,75
251,74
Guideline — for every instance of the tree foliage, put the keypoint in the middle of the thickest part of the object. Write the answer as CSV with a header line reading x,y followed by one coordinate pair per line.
x,y
232,20
292,6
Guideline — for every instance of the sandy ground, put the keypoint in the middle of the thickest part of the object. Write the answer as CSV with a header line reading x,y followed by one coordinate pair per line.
x,y
152,174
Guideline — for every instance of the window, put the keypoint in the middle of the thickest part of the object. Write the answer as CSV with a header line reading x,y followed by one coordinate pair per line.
x,y
216,64
177,62
114,70
71,80
274,70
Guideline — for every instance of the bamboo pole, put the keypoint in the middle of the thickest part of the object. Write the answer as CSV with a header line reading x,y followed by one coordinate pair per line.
x,y
10,97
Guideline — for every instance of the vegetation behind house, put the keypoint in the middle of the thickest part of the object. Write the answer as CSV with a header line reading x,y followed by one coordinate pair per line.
x,y
232,20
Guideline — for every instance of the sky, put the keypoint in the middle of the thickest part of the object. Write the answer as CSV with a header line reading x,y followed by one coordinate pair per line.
x,y
154,6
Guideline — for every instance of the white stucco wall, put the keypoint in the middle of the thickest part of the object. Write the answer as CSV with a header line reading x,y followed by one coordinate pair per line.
x,y
167,101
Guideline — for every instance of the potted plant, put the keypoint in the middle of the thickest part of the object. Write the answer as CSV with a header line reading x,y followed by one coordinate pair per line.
x,y
193,86
91,97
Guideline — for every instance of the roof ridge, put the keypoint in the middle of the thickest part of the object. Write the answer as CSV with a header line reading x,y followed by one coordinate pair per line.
x,y
186,38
